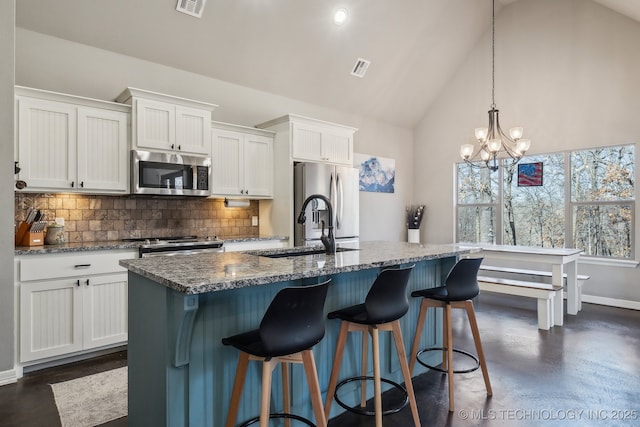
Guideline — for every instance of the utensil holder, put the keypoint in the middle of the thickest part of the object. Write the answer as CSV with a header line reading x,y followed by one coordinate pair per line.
x,y
26,237
31,238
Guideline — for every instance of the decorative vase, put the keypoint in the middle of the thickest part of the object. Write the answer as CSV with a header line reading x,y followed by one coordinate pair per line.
x,y
55,235
413,235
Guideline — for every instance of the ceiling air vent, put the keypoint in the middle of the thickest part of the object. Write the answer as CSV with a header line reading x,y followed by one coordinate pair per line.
x,y
360,68
191,7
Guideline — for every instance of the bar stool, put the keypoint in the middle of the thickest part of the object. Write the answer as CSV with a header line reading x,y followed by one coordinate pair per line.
x,y
386,302
461,286
292,324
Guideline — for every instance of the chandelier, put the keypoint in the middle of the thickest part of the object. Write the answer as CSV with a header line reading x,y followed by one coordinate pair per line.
x,y
494,143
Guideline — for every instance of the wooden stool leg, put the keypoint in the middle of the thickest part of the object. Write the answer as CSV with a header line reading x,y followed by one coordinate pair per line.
x,y
335,370
418,334
445,338
471,314
363,367
267,372
238,385
314,387
286,393
449,355
406,373
377,390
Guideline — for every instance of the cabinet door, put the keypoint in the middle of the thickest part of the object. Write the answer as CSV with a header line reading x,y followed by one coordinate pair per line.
x,y
307,143
50,319
105,310
337,148
193,129
258,166
155,124
47,144
102,150
226,160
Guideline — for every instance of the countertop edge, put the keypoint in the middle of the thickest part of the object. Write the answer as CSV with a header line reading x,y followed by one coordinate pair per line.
x,y
195,285
115,245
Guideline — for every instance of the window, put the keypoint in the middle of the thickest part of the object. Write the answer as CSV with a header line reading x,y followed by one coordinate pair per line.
x,y
583,199
602,201
477,204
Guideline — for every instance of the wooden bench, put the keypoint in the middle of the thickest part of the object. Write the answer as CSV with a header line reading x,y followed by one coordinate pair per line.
x,y
550,304
508,272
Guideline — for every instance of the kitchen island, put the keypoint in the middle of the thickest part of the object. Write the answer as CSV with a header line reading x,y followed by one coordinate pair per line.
x,y
180,308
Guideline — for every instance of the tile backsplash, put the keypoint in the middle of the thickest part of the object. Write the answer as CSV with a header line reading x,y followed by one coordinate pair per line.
x,y
91,218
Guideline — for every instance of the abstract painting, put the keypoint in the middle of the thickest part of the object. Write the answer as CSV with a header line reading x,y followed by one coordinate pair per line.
x,y
377,174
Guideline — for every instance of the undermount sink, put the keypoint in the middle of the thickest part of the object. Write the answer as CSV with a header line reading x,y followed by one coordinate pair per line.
x,y
305,252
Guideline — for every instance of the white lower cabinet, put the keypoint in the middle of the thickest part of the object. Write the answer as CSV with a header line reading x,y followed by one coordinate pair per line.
x,y
64,315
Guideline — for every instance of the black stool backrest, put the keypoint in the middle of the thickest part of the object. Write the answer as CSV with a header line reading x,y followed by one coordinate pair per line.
x,y
462,281
294,320
387,299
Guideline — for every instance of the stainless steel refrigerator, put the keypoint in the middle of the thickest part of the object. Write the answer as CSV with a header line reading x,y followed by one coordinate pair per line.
x,y
340,185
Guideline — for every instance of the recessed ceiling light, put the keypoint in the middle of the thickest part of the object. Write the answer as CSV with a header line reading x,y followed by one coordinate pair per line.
x,y
340,17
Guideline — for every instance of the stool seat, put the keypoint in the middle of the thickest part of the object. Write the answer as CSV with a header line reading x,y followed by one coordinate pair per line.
x,y
291,325
385,303
461,286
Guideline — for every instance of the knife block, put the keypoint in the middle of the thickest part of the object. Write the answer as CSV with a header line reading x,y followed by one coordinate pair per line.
x,y
24,237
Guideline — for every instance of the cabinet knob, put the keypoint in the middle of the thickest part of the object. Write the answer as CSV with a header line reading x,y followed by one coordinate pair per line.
x,y
78,282
246,192
82,184
87,282
172,146
73,184
179,147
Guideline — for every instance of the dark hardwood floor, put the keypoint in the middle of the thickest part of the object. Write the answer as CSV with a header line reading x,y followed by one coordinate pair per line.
x,y
586,373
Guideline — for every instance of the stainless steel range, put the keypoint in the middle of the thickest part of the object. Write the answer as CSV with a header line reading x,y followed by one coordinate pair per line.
x,y
183,245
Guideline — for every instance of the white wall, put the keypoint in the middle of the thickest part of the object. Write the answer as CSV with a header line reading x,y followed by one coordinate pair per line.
x,y
566,70
54,64
7,18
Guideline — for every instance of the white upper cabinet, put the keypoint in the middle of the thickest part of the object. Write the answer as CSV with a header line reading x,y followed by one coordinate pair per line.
x,y
67,143
242,161
163,122
316,140
102,149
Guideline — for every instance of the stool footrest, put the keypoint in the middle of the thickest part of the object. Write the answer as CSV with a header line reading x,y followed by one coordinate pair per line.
x,y
279,415
364,411
455,350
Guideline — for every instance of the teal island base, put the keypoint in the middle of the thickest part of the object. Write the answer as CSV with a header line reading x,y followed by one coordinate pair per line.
x,y
180,374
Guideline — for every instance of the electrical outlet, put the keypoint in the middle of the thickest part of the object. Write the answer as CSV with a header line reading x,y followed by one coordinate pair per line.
x,y
254,220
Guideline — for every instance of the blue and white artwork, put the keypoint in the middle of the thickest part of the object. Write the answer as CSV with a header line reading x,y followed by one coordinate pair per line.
x,y
377,174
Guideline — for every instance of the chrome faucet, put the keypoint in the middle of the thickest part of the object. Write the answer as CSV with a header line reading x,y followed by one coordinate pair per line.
x,y
328,240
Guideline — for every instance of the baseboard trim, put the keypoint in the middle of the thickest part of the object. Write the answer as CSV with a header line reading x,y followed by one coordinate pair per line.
x,y
612,302
8,377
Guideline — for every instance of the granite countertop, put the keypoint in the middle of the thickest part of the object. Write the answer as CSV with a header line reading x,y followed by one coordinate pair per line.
x,y
210,272
115,245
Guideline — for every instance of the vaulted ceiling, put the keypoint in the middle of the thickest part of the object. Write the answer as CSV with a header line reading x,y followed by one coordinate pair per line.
x,y
292,47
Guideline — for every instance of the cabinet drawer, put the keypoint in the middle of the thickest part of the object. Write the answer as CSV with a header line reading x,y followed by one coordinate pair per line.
x,y
49,266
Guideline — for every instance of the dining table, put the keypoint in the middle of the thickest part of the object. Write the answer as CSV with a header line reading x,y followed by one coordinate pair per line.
x,y
561,261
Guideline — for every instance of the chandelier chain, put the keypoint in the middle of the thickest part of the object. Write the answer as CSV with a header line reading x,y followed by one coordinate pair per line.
x,y
495,145
493,55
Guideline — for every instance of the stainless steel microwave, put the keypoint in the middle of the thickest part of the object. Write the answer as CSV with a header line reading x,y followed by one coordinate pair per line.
x,y
169,174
